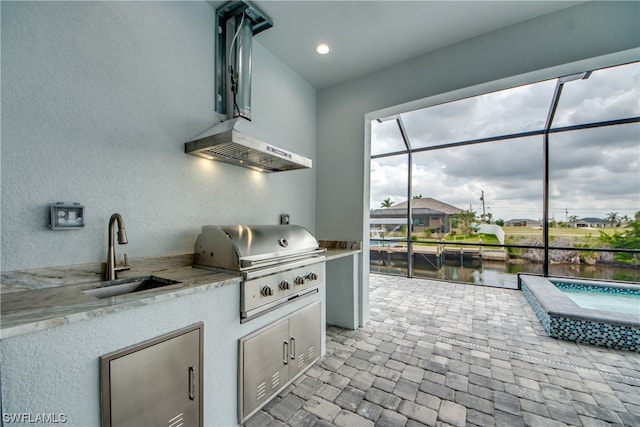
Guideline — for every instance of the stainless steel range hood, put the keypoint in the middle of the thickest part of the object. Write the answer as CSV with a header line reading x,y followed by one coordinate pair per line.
x,y
237,22
226,142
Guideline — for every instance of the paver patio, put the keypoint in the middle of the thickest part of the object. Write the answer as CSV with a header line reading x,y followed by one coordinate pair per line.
x,y
440,354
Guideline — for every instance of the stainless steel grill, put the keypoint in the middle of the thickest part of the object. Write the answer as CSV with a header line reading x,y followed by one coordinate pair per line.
x,y
277,262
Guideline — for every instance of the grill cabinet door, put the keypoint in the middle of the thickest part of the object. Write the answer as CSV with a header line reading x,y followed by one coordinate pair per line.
x,y
304,347
273,356
265,365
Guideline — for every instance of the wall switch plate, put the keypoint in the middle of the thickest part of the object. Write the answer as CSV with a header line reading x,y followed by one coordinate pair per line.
x,y
284,219
66,216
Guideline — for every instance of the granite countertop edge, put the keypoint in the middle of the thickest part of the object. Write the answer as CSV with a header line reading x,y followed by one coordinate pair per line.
x,y
39,299
332,254
336,249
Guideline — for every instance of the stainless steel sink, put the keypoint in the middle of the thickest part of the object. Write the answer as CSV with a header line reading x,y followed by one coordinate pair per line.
x,y
128,286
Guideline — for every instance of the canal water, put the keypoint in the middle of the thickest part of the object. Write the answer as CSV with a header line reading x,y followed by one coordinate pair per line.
x,y
503,274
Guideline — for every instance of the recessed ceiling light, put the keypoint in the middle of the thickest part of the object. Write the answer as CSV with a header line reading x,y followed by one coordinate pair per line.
x,y
323,48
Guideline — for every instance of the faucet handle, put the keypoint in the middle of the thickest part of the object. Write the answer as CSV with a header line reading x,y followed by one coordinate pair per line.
x,y
124,266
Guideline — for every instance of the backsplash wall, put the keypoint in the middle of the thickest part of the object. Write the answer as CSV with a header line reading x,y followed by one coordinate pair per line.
x,y
97,101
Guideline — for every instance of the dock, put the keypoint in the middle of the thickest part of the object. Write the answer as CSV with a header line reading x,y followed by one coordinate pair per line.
x,y
435,255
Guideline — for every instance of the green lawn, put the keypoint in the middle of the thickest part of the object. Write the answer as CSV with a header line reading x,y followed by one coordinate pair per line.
x,y
560,231
486,238
518,234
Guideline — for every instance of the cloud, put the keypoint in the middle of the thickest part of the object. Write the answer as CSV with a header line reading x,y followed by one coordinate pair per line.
x,y
498,113
608,94
592,171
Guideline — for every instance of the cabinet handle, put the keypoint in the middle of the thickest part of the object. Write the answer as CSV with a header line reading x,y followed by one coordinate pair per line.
x,y
192,382
285,352
293,348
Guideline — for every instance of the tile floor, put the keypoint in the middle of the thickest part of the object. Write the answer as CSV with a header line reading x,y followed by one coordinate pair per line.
x,y
441,354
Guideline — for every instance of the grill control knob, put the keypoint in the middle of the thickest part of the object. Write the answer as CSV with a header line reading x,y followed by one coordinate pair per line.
x,y
266,291
299,280
284,285
313,276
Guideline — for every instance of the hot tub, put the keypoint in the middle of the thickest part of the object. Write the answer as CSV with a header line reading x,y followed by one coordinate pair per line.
x,y
562,318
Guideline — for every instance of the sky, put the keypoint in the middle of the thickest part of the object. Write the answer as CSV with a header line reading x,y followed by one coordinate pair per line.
x,y
593,172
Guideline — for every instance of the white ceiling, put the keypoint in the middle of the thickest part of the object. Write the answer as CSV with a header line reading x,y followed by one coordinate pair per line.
x,y
367,36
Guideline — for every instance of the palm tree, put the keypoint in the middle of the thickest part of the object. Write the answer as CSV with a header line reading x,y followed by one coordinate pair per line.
x,y
386,203
612,217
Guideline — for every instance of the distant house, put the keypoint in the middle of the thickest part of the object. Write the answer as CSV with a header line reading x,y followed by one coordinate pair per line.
x,y
592,223
426,213
522,222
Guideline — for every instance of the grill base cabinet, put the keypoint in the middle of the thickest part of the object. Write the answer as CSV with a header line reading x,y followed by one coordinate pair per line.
x,y
157,382
272,357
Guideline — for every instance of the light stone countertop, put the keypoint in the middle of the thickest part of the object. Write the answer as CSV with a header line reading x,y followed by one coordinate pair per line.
x,y
38,299
332,254
43,298
339,248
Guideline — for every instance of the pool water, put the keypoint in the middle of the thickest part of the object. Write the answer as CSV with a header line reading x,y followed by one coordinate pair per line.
x,y
616,303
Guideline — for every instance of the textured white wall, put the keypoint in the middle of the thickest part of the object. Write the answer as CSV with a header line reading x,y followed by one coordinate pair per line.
x,y
538,48
97,101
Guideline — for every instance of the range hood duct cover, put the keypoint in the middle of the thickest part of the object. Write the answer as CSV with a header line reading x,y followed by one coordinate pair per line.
x,y
237,22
